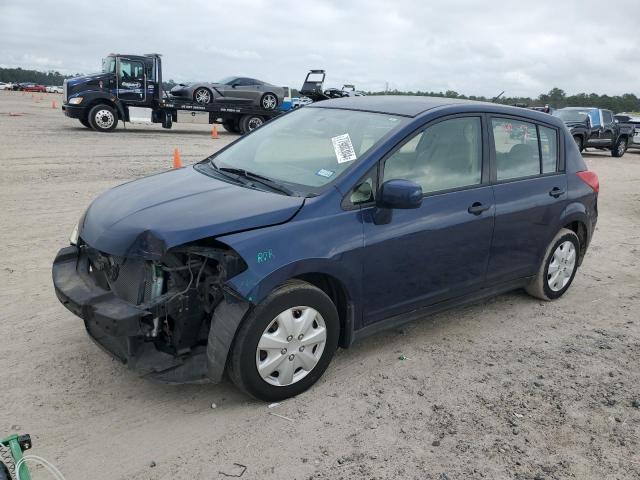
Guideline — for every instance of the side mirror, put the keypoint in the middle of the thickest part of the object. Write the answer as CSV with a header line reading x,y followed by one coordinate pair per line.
x,y
234,85
402,194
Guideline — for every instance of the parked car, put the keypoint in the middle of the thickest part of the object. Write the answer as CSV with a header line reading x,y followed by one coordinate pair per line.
x,y
321,227
32,87
233,90
55,89
6,86
631,119
595,127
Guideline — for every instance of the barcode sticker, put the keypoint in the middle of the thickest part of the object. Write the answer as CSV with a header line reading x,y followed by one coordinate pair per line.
x,y
343,148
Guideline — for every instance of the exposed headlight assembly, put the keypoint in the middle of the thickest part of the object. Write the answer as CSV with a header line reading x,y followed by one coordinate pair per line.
x,y
75,100
73,238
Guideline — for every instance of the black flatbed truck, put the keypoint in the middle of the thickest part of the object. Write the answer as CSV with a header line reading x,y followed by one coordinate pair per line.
x,y
100,100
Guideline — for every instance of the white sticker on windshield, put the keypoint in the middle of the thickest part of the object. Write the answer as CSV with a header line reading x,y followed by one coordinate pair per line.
x,y
343,148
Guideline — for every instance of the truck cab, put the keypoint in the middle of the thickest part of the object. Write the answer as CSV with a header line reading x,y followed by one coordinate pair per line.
x,y
99,100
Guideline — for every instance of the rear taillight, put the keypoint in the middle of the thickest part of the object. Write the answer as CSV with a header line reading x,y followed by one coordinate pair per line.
x,y
590,178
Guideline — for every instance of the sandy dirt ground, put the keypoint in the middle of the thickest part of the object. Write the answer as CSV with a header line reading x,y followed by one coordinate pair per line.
x,y
510,388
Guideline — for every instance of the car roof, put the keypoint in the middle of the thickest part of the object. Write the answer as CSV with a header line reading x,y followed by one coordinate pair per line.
x,y
579,108
414,105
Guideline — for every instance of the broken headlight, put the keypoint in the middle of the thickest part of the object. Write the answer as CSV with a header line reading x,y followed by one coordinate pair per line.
x,y
73,238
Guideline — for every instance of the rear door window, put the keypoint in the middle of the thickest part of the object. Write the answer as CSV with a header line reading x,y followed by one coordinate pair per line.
x,y
516,147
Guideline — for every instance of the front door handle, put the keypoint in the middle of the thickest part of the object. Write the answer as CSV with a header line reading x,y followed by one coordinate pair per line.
x,y
477,208
555,192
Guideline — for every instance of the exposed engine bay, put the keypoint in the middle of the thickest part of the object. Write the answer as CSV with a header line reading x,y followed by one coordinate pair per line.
x,y
180,291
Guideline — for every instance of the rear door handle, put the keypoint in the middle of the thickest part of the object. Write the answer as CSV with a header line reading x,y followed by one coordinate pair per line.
x,y
555,192
477,208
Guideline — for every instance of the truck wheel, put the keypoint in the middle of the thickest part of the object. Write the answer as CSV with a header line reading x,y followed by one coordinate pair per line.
x,y
231,126
167,121
620,147
202,95
4,472
250,122
103,118
285,343
579,143
85,122
269,101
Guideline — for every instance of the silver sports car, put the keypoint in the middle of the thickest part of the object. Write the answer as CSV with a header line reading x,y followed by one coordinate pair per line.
x,y
233,90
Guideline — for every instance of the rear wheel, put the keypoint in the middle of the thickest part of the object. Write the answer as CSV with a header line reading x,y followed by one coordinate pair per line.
x,y
286,343
269,101
579,143
558,267
103,118
250,122
202,95
619,148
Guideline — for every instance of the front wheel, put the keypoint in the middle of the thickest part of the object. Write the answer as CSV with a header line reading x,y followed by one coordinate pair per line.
x,y
286,343
103,118
202,95
619,148
558,267
579,142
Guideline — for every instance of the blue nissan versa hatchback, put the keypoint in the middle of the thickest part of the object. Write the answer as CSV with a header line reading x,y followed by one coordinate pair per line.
x,y
325,225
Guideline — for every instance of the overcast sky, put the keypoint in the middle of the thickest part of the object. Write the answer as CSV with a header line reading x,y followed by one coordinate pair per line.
x,y
473,47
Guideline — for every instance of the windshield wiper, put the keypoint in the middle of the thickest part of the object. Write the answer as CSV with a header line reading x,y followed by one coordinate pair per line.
x,y
256,178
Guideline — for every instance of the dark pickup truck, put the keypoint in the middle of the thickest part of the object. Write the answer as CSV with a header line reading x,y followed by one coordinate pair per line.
x,y
597,128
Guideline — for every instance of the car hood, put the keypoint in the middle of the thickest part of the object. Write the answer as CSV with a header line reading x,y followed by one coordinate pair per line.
x,y
146,217
87,78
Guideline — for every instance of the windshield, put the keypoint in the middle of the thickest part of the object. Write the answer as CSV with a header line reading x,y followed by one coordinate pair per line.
x,y
108,65
227,80
310,147
571,115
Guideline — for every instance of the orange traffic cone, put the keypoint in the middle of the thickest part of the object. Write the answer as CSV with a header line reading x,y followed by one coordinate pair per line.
x,y
33,96
214,132
177,163
41,97
54,105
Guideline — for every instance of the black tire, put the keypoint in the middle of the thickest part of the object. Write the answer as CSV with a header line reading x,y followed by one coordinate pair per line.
x,y
231,126
269,101
250,122
620,147
539,286
103,118
85,122
579,142
202,95
242,367
4,472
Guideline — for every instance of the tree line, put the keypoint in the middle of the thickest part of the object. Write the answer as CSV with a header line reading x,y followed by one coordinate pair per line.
x,y
18,75
555,98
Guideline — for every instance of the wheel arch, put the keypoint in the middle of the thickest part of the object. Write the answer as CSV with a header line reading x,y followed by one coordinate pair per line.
x,y
339,295
575,218
107,101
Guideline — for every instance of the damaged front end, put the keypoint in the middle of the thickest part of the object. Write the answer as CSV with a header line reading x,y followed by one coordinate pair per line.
x,y
172,319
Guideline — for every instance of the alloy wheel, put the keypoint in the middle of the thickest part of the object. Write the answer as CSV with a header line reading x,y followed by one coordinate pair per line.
x,y
202,95
291,346
561,267
269,101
